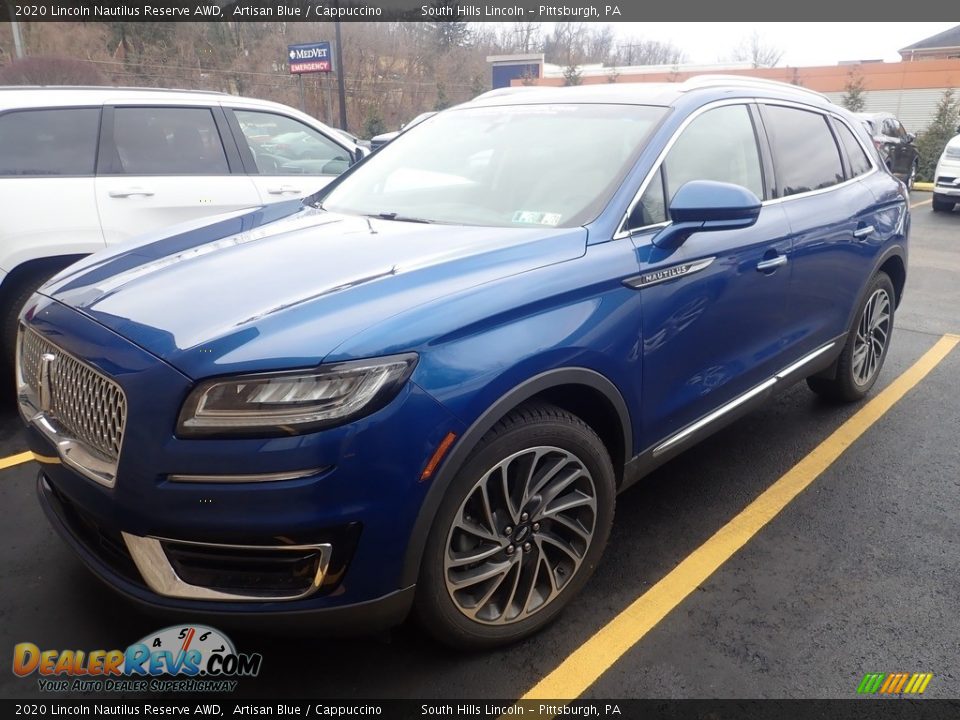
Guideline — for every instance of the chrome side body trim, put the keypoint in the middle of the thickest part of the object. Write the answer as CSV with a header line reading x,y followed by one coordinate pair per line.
x,y
655,277
157,571
712,417
805,360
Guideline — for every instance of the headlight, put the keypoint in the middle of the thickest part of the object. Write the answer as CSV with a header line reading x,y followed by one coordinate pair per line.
x,y
292,403
952,152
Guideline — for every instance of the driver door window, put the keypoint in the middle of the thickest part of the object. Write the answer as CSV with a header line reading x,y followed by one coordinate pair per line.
x,y
718,145
292,158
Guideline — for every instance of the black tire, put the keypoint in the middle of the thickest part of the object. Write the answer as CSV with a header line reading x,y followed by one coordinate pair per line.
x,y
18,296
523,433
848,384
942,204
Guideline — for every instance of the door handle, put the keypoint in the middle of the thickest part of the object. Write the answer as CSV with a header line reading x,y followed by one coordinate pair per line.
x,y
772,263
862,232
283,190
129,192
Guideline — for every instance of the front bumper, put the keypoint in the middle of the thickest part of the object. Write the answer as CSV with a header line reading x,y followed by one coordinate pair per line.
x,y
367,616
330,539
947,179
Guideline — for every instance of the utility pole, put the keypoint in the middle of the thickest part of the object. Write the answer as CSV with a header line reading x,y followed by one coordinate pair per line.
x,y
17,40
341,91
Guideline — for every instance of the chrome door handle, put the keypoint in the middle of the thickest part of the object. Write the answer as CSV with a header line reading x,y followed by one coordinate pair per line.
x,y
129,192
283,190
772,263
863,232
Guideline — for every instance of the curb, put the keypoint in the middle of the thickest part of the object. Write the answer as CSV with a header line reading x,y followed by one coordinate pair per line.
x,y
924,186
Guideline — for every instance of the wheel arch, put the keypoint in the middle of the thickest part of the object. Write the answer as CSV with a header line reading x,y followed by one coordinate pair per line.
x,y
581,391
37,266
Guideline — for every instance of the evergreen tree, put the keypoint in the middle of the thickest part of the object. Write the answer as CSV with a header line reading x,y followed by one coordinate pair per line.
x,y
572,75
934,139
855,91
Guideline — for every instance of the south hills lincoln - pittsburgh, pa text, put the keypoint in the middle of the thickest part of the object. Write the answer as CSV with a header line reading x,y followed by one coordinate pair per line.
x,y
518,11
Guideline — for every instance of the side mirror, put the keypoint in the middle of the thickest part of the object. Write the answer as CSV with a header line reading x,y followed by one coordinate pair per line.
x,y
704,206
910,138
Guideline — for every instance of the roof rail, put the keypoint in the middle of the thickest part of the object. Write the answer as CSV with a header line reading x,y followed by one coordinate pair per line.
x,y
109,87
703,81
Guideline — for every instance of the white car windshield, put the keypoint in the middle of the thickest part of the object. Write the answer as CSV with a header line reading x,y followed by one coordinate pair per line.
x,y
507,166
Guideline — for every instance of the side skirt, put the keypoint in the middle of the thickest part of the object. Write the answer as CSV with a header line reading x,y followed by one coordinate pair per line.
x,y
653,457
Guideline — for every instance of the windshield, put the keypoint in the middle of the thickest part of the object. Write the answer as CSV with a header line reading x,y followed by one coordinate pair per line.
x,y
508,166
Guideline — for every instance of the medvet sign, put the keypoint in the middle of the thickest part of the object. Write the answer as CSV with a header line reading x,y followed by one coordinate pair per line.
x,y
309,58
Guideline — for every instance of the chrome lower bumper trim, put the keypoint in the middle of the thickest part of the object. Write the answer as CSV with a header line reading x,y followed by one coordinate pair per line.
x,y
262,477
157,571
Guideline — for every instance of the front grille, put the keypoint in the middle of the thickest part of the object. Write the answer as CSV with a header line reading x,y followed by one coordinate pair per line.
x,y
90,407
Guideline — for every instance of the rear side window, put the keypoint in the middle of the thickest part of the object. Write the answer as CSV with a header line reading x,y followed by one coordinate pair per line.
x,y
859,164
805,154
167,141
49,142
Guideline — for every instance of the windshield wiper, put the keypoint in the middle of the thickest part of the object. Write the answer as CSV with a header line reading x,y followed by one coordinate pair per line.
x,y
400,218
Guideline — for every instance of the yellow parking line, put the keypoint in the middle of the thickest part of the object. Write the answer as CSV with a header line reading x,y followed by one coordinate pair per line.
x,y
588,662
922,202
15,460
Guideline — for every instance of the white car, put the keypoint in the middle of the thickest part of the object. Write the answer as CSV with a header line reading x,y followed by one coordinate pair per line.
x,y
946,187
82,168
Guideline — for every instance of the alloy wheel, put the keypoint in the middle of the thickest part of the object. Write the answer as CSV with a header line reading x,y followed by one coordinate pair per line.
x,y
873,333
520,535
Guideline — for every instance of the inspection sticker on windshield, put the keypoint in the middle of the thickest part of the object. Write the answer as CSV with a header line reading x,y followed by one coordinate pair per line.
x,y
536,218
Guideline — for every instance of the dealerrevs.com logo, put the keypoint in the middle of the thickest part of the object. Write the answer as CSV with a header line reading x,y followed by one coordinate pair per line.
x,y
191,658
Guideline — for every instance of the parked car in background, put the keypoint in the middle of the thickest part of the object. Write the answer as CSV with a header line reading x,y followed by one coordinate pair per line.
x,y
378,141
946,182
425,396
359,142
83,168
895,145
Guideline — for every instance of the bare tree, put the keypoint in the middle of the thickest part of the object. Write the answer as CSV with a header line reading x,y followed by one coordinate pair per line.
x,y
754,50
637,51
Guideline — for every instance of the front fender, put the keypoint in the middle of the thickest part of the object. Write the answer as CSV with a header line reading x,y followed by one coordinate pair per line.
x,y
471,437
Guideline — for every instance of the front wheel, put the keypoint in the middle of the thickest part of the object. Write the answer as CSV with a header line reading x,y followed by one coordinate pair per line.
x,y
912,177
866,348
519,532
942,204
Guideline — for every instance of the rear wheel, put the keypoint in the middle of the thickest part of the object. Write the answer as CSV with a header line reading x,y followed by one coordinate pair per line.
x,y
520,531
942,203
866,347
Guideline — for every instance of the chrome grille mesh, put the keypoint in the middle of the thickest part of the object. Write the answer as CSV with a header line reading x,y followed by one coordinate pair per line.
x,y
89,406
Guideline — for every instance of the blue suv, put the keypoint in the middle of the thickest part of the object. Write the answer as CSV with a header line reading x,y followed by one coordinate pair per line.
x,y
422,389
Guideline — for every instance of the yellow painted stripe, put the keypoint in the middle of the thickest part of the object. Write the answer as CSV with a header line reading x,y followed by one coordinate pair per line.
x,y
588,662
926,681
15,460
912,684
922,202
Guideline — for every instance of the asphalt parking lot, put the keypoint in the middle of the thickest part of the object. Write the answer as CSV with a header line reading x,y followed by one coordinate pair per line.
x,y
860,572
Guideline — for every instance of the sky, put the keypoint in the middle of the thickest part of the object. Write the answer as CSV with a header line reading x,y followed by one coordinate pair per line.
x,y
802,43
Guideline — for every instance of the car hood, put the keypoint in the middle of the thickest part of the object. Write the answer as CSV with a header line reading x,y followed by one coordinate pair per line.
x,y
251,292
